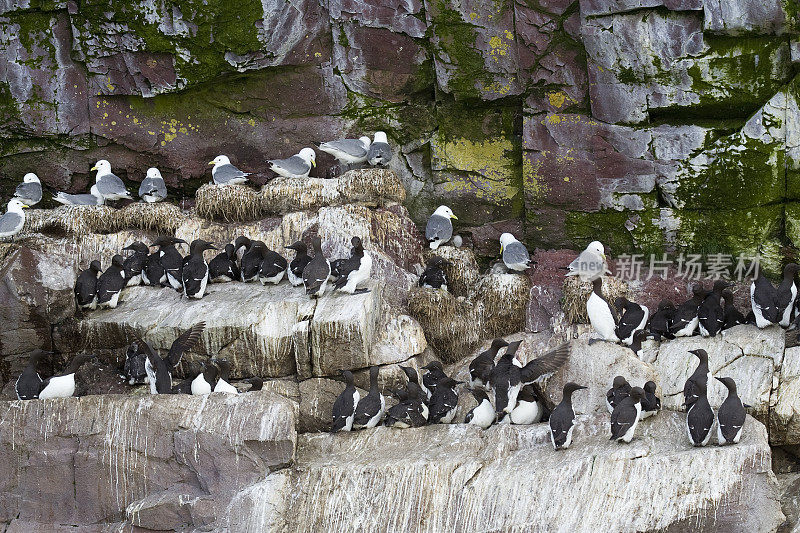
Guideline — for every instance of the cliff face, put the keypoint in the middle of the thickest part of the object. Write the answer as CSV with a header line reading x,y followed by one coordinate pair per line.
x,y
651,122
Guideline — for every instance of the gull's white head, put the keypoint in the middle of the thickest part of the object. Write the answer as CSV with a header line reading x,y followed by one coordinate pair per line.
x,y
380,137
505,240
154,173
16,206
102,167
220,160
30,177
444,211
597,247
309,156
366,141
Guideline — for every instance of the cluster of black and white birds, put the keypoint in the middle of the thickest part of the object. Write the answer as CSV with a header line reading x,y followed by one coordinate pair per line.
x,y
244,260
434,398
30,385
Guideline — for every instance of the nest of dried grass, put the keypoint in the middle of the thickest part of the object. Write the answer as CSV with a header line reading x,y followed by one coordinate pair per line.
x,y
72,220
505,301
373,186
228,203
161,217
285,195
462,272
452,326
576,292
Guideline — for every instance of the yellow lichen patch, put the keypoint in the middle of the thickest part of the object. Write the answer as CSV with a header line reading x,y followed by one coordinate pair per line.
x,y
559,98
499,47
535,188
499,88
489,158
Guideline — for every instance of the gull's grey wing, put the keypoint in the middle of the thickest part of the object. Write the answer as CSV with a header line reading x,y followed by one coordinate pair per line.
x,y
515,253
154,187
438,228
587,264
77,199
295,165
29,191
111,184
353,147
10,222
225,173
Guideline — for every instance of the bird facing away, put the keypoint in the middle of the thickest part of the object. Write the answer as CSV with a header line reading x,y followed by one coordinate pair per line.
x,y
710,315
153,189
698,380
380,153
372,407
86,286
439,229
626,416
29,383
731,415
224,173
29,192
562,419
315,274
661,320
515,255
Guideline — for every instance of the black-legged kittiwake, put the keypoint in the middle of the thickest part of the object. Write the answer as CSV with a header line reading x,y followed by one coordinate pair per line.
x,y
515,255
108,184
12,222
95,198
153,189
590,264
439,229
348,151
224,173
29,192
380,153
297,166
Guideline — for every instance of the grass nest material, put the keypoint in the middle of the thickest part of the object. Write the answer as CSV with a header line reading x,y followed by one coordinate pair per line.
x,y
452,326
373,186
285,195
72,220
162,217
462,272
576,292
228,203
505,300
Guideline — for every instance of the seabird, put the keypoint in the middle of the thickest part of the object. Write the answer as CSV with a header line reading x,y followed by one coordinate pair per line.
x,y
223,173
194,272
223,382
153,189
763,300
435,374
411,412
529,408
315,274
86,286
13,220
134,263
515,255
110,284
620,389
634,318
251,261
439,229
710,316
626,416
256,384
29,383
786,294
601,315
348,151
661,320
413,377
273,267
63,385
444,401
698,380
731,415
372,407
171,259
483,414
638,338
29,192
204,382
731,315
344,408
153,273
685,319
134,370
241,245
434,277
380,153
590,264
109,185
480,369
298,264
354,270
297,166
223,268
185,386
700,418
94,198
505,380
543,366
158,369
562,419
651,404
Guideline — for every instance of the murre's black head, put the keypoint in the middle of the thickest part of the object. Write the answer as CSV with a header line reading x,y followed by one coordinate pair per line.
x,y
497,344
224,367
790,270
210,374
597,286
701,354
410,373
571,387
118,261
137,246
650,387
316,243
356,242
436,261
434,365
38,356
728,296
299,247
198,246
95,266
348,377
621,303
665,305
79,360
230,251
373,373
729,383
619,381
241,241
512,348
167,241
258,246
449,383
479,395
698,292
720,285
637,393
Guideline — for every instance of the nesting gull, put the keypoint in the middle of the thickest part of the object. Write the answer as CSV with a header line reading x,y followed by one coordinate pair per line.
x,y
380,153
590,264
95,198
109,185
29,192
439,229
515,255
11,223
153,189
348,151
224,173
297,166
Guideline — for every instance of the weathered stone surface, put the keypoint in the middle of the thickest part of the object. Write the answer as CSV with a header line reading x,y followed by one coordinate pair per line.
x,y
790,502
592,486
117,450
784,414
736,17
